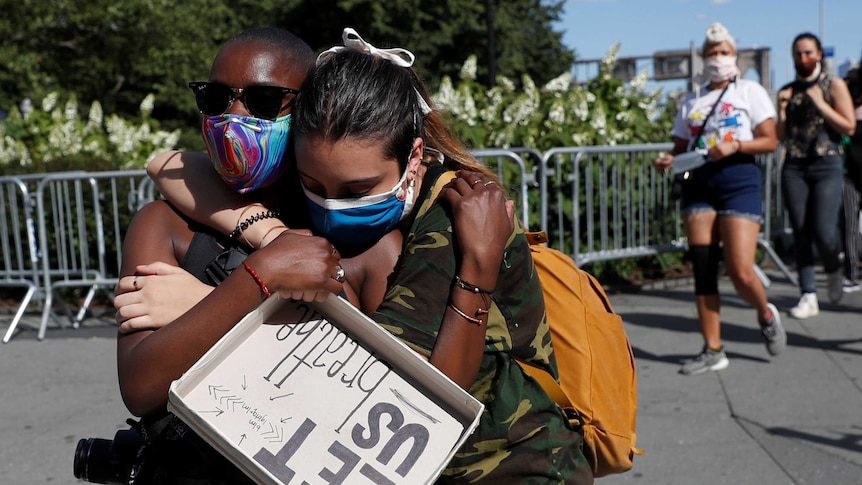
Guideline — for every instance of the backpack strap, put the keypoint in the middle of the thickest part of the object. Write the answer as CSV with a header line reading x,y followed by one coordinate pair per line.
x,y
542,376
555,392
549,384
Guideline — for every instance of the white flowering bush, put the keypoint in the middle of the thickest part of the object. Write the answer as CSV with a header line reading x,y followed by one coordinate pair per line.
x,y
604,111
54,136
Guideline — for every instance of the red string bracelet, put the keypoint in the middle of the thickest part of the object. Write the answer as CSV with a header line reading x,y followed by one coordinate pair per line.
x,y
257,279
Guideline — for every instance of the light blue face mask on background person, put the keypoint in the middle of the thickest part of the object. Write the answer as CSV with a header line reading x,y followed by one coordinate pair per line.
x,y
248,153
360,221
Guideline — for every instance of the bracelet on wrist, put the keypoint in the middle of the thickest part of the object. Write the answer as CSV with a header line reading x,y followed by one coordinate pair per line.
x,y
474,320
257,279
242,226
263,239
464,285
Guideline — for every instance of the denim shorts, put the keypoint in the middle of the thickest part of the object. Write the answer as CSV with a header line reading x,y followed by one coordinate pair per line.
x,y
731,188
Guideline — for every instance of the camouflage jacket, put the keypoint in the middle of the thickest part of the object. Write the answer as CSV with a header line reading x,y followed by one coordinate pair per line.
x,y
523,437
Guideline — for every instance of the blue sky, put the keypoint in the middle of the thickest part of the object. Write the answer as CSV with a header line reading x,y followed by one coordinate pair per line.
x,y
646,26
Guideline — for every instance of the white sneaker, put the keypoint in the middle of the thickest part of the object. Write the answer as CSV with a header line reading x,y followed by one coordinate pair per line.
x,y
807,306
835,283
851,286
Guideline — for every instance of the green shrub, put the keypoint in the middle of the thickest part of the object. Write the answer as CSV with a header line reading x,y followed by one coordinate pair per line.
x,y
54,136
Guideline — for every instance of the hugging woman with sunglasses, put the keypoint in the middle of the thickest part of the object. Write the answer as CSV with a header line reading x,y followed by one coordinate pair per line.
x,y
370,154
255,119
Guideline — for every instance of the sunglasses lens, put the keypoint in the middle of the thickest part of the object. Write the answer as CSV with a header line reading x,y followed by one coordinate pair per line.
x,y
212,98
263,101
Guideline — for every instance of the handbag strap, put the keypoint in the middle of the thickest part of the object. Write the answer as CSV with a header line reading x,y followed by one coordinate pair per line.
x,y
711,111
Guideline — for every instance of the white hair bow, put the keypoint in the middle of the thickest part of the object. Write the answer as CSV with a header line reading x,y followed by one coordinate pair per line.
x,y
396,55
352,41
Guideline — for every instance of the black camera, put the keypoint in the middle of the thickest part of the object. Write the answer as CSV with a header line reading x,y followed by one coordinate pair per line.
x,y
121,461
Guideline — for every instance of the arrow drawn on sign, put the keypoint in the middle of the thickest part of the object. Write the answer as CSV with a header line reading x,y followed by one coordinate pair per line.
x,y
274,435
232,401
214,390
216,410
284,420
244,385
273,398
414,407
241,438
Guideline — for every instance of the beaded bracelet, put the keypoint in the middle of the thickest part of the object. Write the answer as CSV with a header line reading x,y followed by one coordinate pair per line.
x,y
257,279
469,286
242,226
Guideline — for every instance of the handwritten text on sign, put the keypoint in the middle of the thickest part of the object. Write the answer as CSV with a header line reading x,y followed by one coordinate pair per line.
x,y
307,402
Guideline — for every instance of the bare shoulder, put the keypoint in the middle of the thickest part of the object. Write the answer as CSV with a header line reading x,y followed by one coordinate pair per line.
x,y
157,211
838,85
158,227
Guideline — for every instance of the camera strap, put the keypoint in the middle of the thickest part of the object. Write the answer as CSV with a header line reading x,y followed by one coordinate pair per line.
x,y
151,428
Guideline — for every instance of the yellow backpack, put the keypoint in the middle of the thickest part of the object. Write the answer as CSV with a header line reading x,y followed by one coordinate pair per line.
x,y
594,357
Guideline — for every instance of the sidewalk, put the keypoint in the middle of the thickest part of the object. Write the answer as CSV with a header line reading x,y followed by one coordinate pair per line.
x,y
792,419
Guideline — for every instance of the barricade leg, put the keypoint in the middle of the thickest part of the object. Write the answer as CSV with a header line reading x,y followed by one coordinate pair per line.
x,y
767,246
762,276
46,314
82,312
19,314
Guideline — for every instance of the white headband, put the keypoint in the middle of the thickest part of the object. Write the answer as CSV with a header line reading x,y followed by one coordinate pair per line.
x,y
398,56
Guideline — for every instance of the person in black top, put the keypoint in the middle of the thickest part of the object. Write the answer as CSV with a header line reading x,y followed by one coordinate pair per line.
x,y
814,112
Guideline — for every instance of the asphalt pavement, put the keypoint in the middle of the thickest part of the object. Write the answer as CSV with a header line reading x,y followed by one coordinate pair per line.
x,y
791,419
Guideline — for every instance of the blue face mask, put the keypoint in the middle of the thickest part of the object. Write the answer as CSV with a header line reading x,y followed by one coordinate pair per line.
x,y
361,221
248,153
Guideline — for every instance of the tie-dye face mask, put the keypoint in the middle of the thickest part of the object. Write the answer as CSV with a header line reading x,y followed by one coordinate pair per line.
x,y
248,153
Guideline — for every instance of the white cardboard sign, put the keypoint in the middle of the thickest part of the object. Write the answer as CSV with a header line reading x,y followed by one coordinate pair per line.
x,y
300,393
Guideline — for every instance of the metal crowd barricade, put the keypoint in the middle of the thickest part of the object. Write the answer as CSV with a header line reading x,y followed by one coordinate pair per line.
x,y
63,232
512,171
82,218
610,203
146,192
18,245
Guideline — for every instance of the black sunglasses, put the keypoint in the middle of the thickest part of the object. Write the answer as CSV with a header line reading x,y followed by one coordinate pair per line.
x,y
263,102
